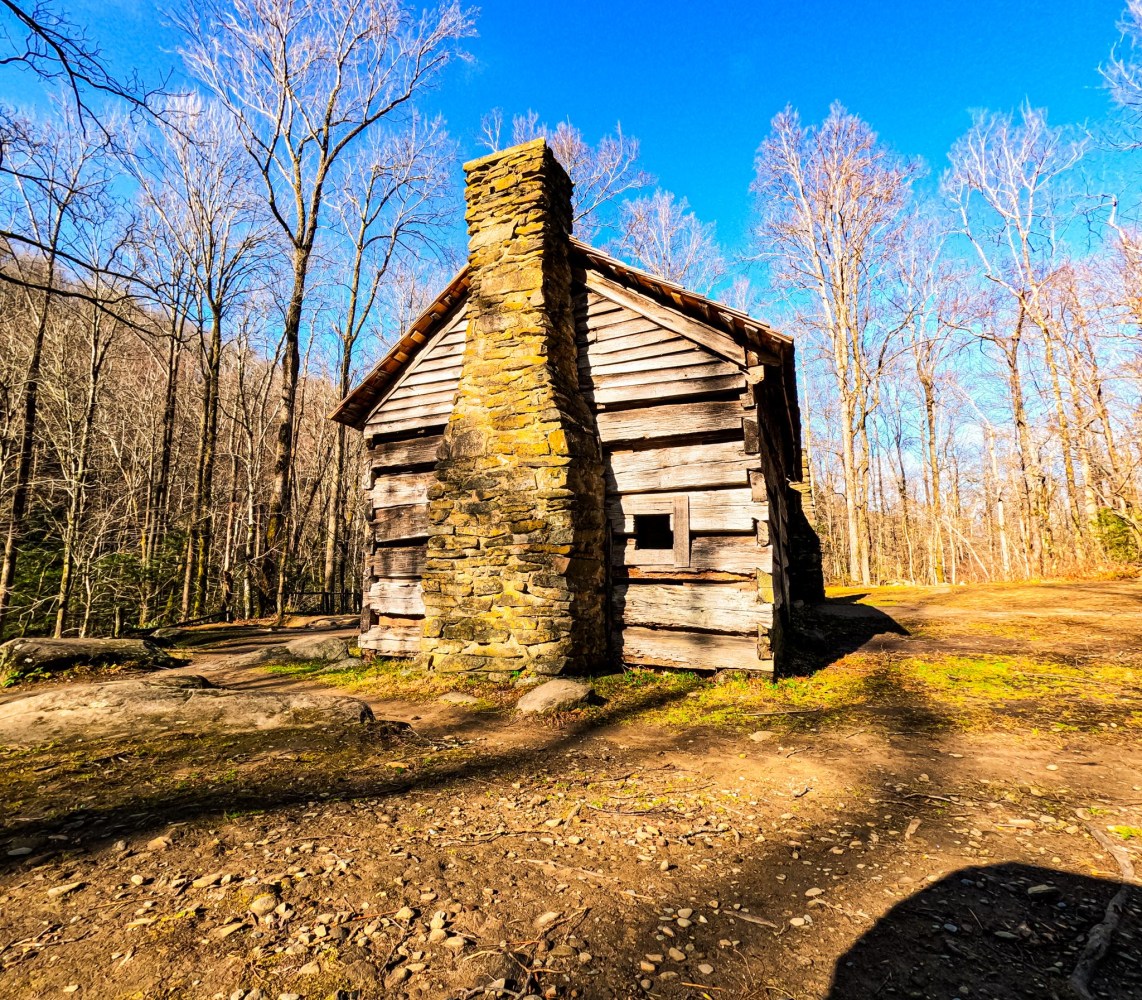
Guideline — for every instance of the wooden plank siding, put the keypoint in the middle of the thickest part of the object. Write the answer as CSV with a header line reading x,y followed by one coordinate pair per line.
x,y
696,466
668,421
631,358
423,395
689,650
674,433
397,562
396,637
707,607
400,472
400,524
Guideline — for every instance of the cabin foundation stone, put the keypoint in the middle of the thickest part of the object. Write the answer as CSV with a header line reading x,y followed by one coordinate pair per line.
x,y
515,570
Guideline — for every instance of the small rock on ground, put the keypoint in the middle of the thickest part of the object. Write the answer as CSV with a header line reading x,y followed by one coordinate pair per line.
x,y
458,698
555,696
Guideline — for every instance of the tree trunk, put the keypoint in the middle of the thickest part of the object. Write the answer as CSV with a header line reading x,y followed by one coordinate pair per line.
x,y
24,456
156,516
276,556
933,455
1030,478
1065,441
205,535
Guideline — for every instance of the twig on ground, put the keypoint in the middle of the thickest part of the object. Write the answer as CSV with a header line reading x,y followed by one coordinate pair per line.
x,y
487,836
551,867
787,711
749,918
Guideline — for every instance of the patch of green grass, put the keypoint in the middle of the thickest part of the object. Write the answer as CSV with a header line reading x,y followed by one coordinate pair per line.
x,y
400,680
930,692
1128,832
737,700
968,681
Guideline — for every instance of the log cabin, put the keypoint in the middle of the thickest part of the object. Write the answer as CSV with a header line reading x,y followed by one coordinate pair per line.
x,y
574,465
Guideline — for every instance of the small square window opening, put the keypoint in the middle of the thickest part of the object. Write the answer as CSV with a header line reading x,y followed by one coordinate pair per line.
x,y
653,531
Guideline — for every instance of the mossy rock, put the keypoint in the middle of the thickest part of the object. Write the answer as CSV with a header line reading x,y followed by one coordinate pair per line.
x,y
32,657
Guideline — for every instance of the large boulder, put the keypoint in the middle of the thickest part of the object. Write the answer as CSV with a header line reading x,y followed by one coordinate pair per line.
x,y
30,656
555,696
329,648
179,702
318,647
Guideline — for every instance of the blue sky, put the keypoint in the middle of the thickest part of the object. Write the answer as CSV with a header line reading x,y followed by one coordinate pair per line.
x,y
698,83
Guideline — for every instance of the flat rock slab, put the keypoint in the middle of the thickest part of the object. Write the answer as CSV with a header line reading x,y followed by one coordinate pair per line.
x,y
458,698
24,657
190,702
555,696
330,648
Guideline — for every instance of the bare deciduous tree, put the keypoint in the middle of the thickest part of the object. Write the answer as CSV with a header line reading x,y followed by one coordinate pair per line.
x,y
196,180
664,237
390,210
305,81
1123,73
832,203
602,173
999,185
56,175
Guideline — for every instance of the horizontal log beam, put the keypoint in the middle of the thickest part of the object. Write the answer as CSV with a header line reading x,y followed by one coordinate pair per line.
x,y
411,451
399,562
715,607
668,420
677,468
612,391
397,524
689,650
737,554
400,489
395,597
389,639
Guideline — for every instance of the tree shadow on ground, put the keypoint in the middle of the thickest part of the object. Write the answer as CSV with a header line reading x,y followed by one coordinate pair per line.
x,y
998,931
143,782
820,634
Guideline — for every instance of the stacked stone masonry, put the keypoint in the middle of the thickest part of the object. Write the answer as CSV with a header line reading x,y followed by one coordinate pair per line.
x,y
515,571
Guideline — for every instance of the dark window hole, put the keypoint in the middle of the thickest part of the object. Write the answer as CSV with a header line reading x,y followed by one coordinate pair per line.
x,y
652,531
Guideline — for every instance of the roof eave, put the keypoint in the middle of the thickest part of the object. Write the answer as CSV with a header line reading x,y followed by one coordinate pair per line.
x,y
739,324
355,408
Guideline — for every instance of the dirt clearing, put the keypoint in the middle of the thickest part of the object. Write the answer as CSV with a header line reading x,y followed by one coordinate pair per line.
x,y
927,815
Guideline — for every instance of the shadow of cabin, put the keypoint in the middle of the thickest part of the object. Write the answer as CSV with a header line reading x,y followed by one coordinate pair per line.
x,y
694,407
832,628
1003,930
151,781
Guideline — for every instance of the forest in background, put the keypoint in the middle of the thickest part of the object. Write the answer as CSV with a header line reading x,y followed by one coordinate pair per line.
x,y
189,282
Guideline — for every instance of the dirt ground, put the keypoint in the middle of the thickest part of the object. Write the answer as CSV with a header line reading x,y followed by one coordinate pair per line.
x,y
944,808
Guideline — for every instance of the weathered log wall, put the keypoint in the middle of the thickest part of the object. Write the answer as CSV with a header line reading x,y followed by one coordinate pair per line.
x,y
404,434
679,436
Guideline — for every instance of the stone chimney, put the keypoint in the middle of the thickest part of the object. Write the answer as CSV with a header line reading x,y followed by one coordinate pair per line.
x,y
516,576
